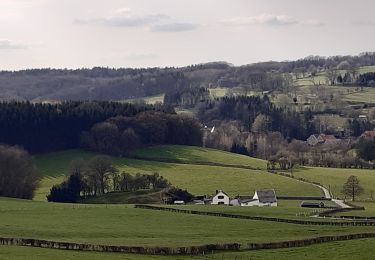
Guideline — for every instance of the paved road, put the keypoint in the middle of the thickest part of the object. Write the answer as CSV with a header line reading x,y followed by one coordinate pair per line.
x,y
341,204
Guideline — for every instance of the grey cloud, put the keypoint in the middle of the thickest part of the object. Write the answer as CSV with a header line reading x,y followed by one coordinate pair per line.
x,y
125,20
315,23
6,44
174,27
266,19
364,23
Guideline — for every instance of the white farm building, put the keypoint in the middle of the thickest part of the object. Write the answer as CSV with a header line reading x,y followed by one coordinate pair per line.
x,y
220,198
261,198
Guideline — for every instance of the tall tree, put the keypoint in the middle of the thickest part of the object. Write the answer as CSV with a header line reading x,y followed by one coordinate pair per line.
x,y
100,169
352,187
18,177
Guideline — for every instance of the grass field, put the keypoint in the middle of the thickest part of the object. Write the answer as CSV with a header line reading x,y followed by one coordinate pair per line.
x,y
148,100
198,179
125,225
335,250
368,212
285,209
198,154
334,178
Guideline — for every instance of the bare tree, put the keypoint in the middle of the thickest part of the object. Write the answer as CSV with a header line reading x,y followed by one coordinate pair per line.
x,y
352,187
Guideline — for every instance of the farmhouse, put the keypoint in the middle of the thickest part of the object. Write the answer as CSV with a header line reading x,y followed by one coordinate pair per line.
x,y
221,198
261,198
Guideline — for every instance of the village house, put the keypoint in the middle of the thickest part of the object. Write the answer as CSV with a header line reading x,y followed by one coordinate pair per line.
x,y
220,198
321,139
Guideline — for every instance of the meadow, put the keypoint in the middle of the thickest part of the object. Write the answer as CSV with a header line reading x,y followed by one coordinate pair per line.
x,y
197,179
334,179
126,225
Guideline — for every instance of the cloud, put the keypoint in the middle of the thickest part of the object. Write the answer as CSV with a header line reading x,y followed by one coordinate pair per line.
x,y
174,27
315,23
125,17
265,19
128,20
364,23
6,44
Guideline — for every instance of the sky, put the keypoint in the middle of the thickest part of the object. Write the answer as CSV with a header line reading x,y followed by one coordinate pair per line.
x,y
158,33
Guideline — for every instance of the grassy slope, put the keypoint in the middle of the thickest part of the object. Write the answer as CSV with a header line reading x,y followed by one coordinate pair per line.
x,y
335,178
198,179
124,225
199,154
335,250
133,197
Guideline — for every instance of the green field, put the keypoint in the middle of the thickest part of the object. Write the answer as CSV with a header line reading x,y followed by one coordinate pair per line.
x,y
197,179
125,225
368,212
148,100
290,209
334,178
194,154
335,250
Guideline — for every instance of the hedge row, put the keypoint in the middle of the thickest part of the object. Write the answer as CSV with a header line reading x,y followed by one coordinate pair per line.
x,y
308,241
284,220
192,250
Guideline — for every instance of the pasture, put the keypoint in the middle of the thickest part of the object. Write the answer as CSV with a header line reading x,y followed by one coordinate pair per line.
x,y
125,225
196,178
334,179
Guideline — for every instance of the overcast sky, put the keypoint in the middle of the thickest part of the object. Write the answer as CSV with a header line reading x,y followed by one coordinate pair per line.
x,y
148,33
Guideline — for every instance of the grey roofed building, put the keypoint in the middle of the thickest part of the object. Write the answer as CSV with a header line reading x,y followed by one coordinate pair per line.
x,y
266,196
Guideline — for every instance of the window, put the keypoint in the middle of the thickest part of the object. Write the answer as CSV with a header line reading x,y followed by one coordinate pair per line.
x,y
220,203
220,197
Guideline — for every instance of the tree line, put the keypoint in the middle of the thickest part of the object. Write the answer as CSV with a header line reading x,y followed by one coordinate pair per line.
x,y
49,127
119,135
99,176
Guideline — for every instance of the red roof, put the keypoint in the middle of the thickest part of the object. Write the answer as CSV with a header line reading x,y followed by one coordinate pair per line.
x,y
369,134
327,137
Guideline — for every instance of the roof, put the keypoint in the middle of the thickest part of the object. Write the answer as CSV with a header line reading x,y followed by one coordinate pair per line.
x,y
220,191
266,196
246,200
369,134
327,137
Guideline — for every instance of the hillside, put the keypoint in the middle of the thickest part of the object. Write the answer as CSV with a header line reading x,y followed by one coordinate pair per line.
x,y
99,83
197,178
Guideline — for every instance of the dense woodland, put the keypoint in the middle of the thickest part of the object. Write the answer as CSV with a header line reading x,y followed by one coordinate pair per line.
x,y
48,127
119,135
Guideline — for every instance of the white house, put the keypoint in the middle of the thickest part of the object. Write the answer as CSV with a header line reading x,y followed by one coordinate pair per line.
x,y
261,198
221,198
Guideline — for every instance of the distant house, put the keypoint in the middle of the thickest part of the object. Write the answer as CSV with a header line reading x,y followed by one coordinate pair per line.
x,y
261,198
321,139
313,140
220,198
368,134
